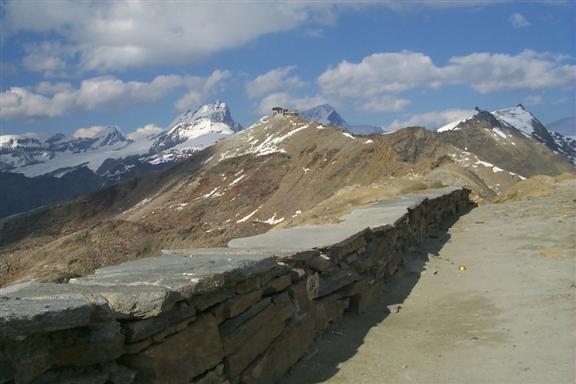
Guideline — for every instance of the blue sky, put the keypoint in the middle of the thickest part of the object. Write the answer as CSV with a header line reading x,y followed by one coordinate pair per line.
x,y
68,65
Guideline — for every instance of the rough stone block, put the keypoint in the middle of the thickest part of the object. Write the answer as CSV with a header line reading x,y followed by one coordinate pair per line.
x,y
230,325
365,297
300,297
247,285
236,305
258,336
328,311
141,329
214,376
120,374
97,374
131,348
349,245
25,359
278,284
181,357
22,317
297,274
87,346
212,298
232,341
290,346
123,301
320,263
337,280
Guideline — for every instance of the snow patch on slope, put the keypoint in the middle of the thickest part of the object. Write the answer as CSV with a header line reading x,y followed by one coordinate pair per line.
x,y
518,118
453,125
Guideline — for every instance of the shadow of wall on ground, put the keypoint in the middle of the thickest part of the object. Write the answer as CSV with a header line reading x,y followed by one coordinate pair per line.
x,y
342,342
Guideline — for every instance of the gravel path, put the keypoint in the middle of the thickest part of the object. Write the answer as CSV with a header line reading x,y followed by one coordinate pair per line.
x,y
509,317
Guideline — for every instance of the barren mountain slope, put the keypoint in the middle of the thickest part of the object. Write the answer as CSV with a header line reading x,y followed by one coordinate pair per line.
x,y
282,171
249,182
499,154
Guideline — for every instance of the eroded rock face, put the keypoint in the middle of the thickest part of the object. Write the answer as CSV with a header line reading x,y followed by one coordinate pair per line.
x,y
212,316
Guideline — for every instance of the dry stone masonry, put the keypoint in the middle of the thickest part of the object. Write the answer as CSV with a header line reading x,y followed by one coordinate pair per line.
x,y
242,314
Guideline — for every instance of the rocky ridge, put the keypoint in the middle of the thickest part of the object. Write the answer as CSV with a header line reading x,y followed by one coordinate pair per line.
x,y
280,172
520,119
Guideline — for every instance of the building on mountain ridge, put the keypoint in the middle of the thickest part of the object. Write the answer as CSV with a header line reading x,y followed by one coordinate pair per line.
x,y
284,111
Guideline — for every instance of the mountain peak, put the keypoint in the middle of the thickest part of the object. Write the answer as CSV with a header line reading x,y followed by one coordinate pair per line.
x,y
325,114
209,119
517,118
216,112
521,119
105,136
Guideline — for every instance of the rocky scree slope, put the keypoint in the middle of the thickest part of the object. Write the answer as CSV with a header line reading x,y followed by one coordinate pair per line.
x,y
40,171
282,171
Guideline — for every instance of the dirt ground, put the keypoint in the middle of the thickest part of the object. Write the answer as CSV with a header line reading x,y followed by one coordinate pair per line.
x,y
509,317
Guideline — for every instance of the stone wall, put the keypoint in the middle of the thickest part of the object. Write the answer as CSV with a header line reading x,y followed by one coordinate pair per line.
x,y
243,314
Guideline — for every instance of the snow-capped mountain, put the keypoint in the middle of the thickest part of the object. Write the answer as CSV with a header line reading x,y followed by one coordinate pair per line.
x,y
523,121
213,119
33,155
326,114
105,155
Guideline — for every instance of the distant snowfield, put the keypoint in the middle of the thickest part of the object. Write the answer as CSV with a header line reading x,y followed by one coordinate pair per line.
x,y
518,118
190,132
91,159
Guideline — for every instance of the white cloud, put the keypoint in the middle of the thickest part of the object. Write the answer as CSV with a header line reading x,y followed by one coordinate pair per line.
x,y
288,101
19,102
383,104
395,72
143,132
528,70
215,79
431,120
117,35
276,79
90,132
380,73
56,99
190,99
519,21
48,57
199,88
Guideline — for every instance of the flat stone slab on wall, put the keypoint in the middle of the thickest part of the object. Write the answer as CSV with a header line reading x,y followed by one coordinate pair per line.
x,y
320,236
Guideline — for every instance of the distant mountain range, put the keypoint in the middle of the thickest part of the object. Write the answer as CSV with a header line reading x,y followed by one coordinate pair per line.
x,y
73,166
283,170
37,171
